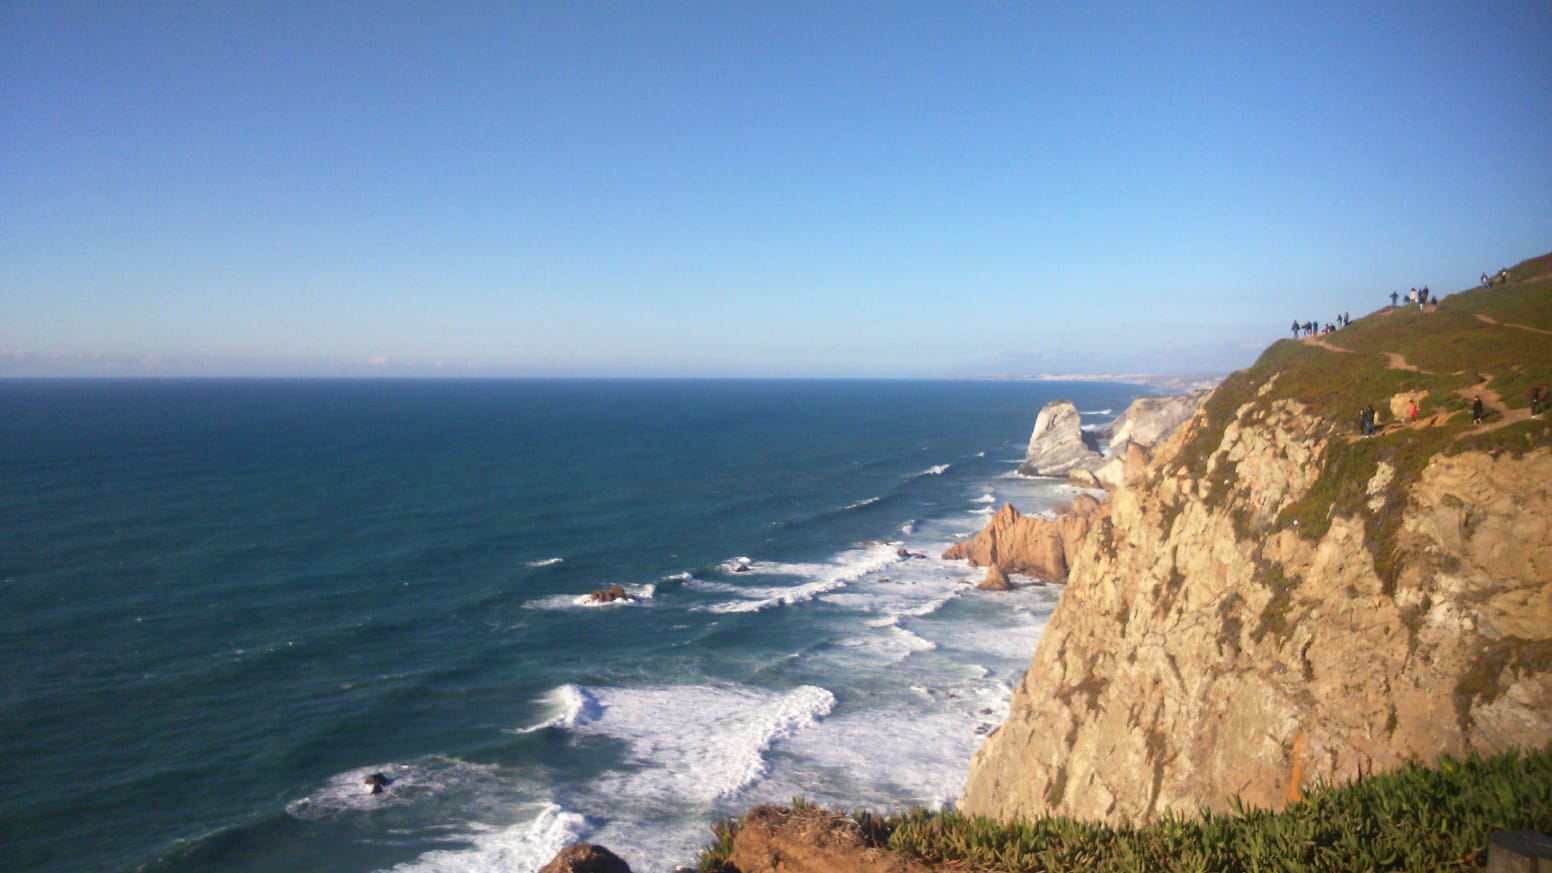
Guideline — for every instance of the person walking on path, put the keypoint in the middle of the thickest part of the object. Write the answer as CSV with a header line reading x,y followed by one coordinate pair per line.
x,y
1476,410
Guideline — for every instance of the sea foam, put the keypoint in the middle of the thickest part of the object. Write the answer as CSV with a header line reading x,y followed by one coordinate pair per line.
x,y
700,743
848,567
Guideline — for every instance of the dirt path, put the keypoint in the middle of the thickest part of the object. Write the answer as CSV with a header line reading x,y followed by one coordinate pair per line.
x,y
1491,403
1317,341
1496,323
1497,414
1395,361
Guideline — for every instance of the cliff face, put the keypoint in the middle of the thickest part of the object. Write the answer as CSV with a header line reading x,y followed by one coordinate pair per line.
x,y
1231,628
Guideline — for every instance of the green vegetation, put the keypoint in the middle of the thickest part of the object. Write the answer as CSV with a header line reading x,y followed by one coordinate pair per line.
x,y
1454,354
1413,818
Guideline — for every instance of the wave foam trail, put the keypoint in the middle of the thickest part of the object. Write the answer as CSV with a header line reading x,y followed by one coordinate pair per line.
x,y
521,848
985,498
546,562
849,567
700,743
861,503
936,470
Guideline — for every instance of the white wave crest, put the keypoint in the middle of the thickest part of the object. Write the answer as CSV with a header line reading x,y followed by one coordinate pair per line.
x,y
699,743
985,498
936,470
861,503
849,567
568,703
546,562
521,847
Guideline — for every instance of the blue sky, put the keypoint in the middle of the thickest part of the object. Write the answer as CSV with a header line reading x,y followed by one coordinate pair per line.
x,y
739,189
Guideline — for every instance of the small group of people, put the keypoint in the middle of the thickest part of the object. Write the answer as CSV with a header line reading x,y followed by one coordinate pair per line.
x,y
1497,278
1311,328
1419,296
1366,418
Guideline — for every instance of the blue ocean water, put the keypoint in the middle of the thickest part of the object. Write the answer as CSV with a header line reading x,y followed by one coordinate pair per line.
x,y
224,603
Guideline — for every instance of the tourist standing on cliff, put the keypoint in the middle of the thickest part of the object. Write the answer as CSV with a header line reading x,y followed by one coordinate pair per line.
x,y
1476,411
1393,298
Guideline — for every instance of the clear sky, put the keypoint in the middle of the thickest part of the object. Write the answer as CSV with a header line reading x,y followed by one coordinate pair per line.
x,y
747,189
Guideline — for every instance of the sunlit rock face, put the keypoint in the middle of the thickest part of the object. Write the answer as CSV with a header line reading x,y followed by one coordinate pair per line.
x,y
1205,646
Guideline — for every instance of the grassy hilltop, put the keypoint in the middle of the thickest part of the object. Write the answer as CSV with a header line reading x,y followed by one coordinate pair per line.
x,y
1494,343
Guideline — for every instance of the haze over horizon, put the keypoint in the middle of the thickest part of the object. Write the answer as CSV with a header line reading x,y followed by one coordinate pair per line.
x,y
699,189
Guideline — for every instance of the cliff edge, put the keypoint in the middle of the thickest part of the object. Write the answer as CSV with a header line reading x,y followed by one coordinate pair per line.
x,y
1279,599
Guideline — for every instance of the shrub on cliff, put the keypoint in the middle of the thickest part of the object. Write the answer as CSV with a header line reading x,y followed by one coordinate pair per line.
x,y
1414,818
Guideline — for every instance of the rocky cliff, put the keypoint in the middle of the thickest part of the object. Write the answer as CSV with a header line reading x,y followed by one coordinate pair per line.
x,y
1276,601
1058,445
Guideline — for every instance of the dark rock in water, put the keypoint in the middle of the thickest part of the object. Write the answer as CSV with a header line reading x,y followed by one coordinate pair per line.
x,y
611,594
586,858
743,567
902,552
376,783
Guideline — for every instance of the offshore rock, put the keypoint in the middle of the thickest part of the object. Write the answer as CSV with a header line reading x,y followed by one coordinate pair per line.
x,y
1033,546
1204,647
1057,445
586,858
611,594
995,580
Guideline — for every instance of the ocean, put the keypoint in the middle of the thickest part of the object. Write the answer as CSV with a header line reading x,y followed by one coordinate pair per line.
x,y
224,604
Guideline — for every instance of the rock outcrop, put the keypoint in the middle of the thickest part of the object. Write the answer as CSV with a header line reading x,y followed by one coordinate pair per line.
x,y
1058,445
612,594
1030,545
1229,628
995,580
1148,421
810,840
586,858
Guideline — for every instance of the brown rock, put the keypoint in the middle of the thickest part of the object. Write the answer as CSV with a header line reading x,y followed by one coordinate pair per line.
x,y
611,594
586,858
995,580
1033,546
776,840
